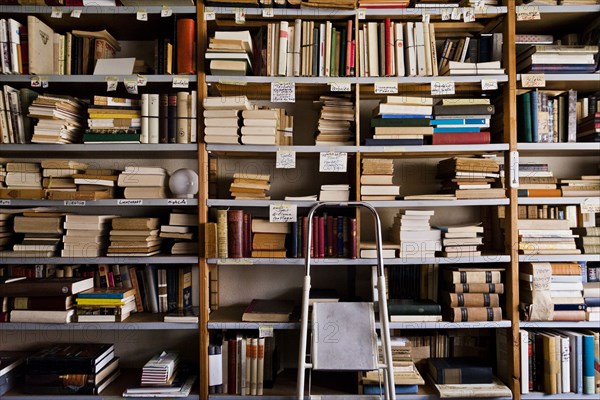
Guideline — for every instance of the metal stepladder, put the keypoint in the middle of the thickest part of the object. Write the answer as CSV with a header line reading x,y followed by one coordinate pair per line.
x,y
343,334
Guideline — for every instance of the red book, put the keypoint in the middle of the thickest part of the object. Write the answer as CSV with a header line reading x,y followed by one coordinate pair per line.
x,y
388,47
235,233
336,232
353,59
111,279
304,234
247,236
186,43
314,248
352,237
24,49
461,138
321,224
330,239
231,366
349,54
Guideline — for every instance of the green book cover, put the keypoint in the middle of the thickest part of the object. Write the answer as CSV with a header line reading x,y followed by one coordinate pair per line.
x,y
413,307
526,111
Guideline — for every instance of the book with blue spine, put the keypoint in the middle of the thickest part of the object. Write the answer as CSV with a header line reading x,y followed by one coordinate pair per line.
x,y
106,293
400,389
589,386
404,116
451,130
463,121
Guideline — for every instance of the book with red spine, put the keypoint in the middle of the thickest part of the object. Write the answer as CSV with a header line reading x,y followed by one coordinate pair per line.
x,y
186,44
330,227
231,366
349,53
461,138
235,233
353,251
321,231
314,248
304,235
388,47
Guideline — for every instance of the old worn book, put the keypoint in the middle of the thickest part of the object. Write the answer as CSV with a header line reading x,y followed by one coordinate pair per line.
x,y
264,226
268,311
41,46
496,389
460,370
471,299
468,314
45,287
268,241
135,223
472,275
38,224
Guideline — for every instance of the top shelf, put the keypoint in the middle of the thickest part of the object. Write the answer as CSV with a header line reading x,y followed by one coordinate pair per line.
x,y
569,9
96,9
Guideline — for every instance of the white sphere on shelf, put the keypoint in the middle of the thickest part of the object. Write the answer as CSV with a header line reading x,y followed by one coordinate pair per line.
x,y
184,183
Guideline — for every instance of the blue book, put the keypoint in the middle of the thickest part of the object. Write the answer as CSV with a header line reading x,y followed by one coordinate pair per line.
x,y
450,130
570,307
592,301
534,116
467,121
400,389
106,293
589,386
404,116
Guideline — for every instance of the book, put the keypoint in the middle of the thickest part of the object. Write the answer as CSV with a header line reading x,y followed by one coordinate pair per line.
x,y
268,311
459,370
88,358
45,287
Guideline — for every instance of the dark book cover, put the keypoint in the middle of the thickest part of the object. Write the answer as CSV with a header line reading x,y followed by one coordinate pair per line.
x,y
184,288
172,288
163,118
314,245
466,109
570,307
293,252
484,50
535,109
459,370
461,138
314,47
231,366
43,303
300,238
340,236
45,287
329,232
561,68
305,251
343,55
538,349
321,232
413,307
71,358
352,231
172,119
247,235
393,142
235,233
378,122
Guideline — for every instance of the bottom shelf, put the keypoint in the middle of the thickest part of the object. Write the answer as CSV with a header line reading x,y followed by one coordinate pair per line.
x,y
114,391
560,396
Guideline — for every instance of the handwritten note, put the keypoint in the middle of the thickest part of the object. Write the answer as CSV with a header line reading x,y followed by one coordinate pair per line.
x,y
479,4
469,14
533,80
166,11
56,13
386,87
528,13
340,86
141,15
489,84
111,83
362,13
283,92
514,169
76,203
333,161
131,85
285,159
130,202
240,16
446,14
209,14
426,18
283,212
177,202
181,82
456,13
142,80
5,202
76,14
440,88
591,205
267,12
265,331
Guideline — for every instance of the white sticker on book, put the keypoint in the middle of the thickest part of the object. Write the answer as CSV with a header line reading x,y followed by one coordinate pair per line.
x,y
283,212
386,87
181,82
514,169
166,11
265,331
441,88
469,14
340,86
591,205
56,13
283,92
142,15
489,84
285,159
76,14
240,15
333,161
131,86
111,83
528,13
130,202
76,203
5,202
533,80
209,14
268,12
362,13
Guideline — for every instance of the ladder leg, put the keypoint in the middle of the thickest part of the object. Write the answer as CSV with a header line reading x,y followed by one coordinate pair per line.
x,y
303,336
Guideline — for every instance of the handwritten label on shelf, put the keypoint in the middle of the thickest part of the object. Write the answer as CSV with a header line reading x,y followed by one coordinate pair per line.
x,y
426,18
209,14
39,81
479,4
283,212
111,83
514,169
235,261
265,331
528,13
285,159
333,161
340,86
76,14
181,82
489,84
591,205
362,13
469,14
456,13
446,14
56,13
130,202
5,202
268,12
440,88
131,85
142,80
141,15
240,15
283,92
177,202
533,80
76,203
386,87
166,11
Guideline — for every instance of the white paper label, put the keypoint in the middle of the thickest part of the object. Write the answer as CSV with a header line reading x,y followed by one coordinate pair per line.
x,y
166,11
141,15
362,13
142,80
283,212
111,83
56,13
441,88
528,13
456,13
591,205
285,159
265,331
514,169
340,86
385,87
181,82
36,81
5,202
209,14
446,14
76,203
469,14
533,80
283,92
394,149
76,14
130,202
333,161
235,261
426,18
268,12
479,4
131,86
240,15
177,202
489,84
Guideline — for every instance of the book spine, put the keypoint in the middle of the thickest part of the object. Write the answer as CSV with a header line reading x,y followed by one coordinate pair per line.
x,y
314,248
461,138
235,233
475,276
294,241
260,355
469,314
222,234
283,44
253,366
145,113
298,32
353,250
153,118
172,119
186,34
330,237
388,47
304,237
151,288
399,48
247,226
315,53
588,364
163,118
349,53
474,300
231,366
183,116
321,235
339,236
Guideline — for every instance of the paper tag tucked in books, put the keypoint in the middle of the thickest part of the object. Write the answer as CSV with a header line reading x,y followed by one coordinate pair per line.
x,y
528,13
240,15
489,84
340,86
76,14
181,82
267,12
591,205
209,14
362,13
514,169
111,83
283,92
285,159
533,80
141,15
386,87
426,18
283,212
479,4
177,202
446,14
456,13
56,12
77,203
142,80
131,85
469,14
333,161
440,88
166,11
265,331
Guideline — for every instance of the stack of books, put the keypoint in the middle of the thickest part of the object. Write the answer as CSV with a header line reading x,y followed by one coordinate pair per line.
x,y
412,231
548,116
134,237
182,231
557,59
42,233
559,298
368,249
72,368
546,236
18,126
114,119
462,121
222,118
588,128
167,118
269,238
105,305
410,310
336,121
470,177
334,192
472,68
401,120
144,182
267,127
160,370
589,239
12,363
230,53
25,178
268,311
92,184
86,236
461,240
250,186
42,300
480,304
58,175
536,180
6,229
587,185
591,291
376,180
61,119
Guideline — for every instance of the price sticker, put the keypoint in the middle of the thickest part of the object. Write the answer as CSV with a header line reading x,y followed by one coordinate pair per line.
x,y
528,13
76,203
533,80
440,88
283,92
76,14
386,87
456,13
130,202
362,13
56,13
446,14
111,83
489,84
285,159
268,12
265,331
240,15
210,14
177,202
166,11
283,212
514,169
469,14
5,202
333,161
340,86
181,82
141,15
590,205
426,18
142,80
131,86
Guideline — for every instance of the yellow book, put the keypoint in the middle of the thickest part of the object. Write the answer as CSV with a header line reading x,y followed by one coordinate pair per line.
x,y
100,302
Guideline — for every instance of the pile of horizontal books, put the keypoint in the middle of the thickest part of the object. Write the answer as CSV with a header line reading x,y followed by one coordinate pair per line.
x,y
163,376
134,237
105,305
401,120
470,178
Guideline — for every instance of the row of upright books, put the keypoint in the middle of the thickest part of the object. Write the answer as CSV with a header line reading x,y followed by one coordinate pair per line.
x,y
354,4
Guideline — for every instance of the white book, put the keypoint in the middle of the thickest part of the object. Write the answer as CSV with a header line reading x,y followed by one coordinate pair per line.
x,y
145,123
393,45
465,50
328,48
420,49
322,50
399,48
298,35
434,59
193,121
14,40
303,67
524,335
289,70
4,48
427,41
362,44
41,49
153,128
183,108
565,365
409,49
373,46
4,136
283,46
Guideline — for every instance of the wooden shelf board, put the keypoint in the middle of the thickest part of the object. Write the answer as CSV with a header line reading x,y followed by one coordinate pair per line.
x,y
559,258
559,324
95,9
160,259
379,204
75,79
559,149
133,150
103,203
